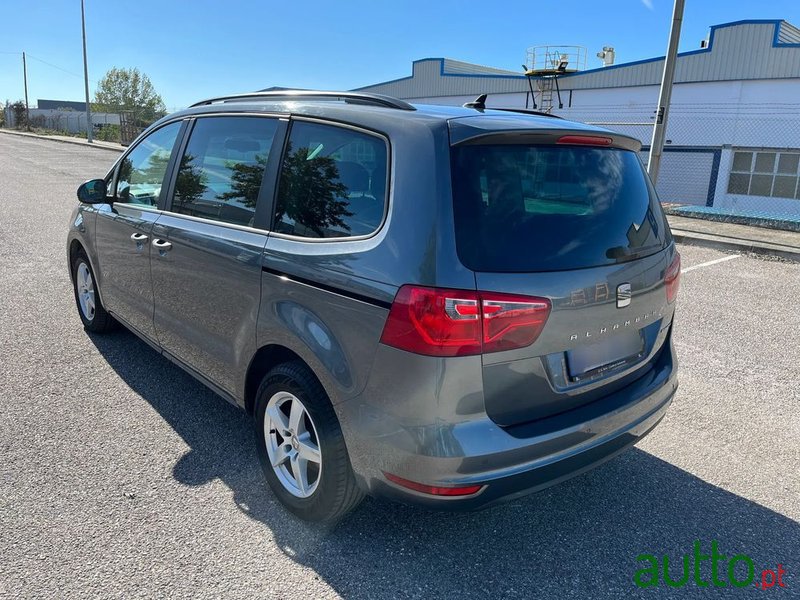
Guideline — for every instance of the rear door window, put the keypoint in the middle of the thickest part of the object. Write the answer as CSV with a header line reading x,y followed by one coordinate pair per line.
x,y
220,173
521,208
332,183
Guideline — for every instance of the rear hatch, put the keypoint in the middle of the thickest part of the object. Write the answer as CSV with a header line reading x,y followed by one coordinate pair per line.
x,y
568,216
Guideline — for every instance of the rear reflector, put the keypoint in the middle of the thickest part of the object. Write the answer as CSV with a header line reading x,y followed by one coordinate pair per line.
x,y
584,140
444,322
432,489
672,278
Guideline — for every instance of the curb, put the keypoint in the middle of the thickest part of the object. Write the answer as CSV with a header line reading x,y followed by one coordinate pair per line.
x,y
750,221
63,140
691,238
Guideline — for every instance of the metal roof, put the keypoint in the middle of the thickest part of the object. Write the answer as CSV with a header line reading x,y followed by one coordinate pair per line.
x,y
61,104
754,49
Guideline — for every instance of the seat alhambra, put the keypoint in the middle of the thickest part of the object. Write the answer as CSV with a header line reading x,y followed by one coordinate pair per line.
x,y
449,306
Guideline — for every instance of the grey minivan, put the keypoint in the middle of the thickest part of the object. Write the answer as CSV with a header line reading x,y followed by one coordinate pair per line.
x,y
449,306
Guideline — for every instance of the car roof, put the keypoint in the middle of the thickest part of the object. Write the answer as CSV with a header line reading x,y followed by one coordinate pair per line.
x,y
354,112
385,119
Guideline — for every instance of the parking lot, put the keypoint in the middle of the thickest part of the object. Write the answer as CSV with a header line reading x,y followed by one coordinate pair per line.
x,y
121,476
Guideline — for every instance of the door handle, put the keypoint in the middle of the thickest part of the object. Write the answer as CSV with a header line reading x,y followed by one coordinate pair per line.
x,y
139,237
162,245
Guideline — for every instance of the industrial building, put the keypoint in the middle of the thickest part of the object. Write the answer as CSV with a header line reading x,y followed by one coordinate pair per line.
x,y
733,135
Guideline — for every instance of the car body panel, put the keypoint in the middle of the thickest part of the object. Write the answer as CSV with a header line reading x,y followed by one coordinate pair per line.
x,y
207,293
336,335
441,436
532,382
124,263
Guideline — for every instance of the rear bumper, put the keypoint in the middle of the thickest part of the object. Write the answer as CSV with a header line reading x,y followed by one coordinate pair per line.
x,y
508,462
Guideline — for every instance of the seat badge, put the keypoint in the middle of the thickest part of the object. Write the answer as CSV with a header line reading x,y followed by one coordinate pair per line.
x,y
623,295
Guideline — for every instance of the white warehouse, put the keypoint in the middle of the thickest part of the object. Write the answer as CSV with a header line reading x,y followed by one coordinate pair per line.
x,y
733,132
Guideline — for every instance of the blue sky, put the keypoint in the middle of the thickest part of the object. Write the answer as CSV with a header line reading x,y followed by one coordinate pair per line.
x,y
202,48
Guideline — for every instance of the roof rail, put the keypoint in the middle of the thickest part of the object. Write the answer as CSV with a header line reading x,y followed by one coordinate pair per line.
x,y
351,97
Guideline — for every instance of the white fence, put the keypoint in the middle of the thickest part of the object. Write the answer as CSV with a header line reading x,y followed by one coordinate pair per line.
x,y
63,120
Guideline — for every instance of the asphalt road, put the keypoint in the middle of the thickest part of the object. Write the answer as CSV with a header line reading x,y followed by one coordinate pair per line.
x,y
120,476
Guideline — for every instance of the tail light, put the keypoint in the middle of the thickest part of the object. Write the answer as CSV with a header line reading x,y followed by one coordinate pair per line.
x,y
672,278
584,140
443,322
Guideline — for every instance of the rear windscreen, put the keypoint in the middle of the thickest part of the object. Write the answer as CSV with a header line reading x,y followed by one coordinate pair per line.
x,y
547,208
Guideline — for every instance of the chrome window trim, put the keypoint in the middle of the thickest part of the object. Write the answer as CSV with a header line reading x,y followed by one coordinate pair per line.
x,y
225,224
387,204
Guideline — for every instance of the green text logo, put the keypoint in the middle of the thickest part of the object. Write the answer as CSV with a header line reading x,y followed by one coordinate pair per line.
x,y
736,571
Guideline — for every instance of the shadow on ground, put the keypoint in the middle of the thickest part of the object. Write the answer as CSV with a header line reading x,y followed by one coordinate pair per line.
x,y
578,539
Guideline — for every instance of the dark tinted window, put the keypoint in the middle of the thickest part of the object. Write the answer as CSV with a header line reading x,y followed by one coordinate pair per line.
x,y
221,170
141,172
545,208
333,182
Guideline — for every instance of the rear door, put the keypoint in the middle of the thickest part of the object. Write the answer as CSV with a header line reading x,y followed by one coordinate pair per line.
x,y
572,219
207,245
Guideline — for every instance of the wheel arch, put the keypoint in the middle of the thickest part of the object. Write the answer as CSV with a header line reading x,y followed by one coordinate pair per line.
x,y
264,360
75,247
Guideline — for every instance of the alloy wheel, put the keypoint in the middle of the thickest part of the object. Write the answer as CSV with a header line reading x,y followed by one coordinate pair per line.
x,y
292,444
85,286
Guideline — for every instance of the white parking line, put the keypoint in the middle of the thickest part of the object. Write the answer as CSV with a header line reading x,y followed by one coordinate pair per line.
x,y
709,263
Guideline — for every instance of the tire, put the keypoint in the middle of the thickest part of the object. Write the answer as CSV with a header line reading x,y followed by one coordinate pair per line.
x,y
90,309
330,489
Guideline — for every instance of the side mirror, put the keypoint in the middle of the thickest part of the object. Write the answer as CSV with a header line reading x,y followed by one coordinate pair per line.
x,y
93,192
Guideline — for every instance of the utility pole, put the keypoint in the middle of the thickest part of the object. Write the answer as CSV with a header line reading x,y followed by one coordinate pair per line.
x,y
25,81
660,128
86,79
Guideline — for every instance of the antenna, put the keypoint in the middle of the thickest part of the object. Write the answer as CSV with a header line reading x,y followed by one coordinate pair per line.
x,y
479,103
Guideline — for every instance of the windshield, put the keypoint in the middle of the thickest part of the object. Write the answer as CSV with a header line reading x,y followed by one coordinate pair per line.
x,y
522,208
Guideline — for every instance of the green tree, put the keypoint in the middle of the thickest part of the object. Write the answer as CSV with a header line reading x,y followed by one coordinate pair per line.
x,y
245,181
311,193
191,182
20,114
129,90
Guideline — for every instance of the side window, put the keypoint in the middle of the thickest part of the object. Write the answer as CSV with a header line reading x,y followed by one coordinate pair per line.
x,y
141,173
220,173
333,182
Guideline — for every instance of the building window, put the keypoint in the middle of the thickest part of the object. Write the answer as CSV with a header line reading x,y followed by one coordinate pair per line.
x,y
765,173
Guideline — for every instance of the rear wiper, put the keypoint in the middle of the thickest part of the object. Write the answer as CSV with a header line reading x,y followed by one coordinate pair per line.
x,y
620,253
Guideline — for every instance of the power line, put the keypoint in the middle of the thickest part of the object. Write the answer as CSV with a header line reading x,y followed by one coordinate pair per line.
x,y
49,64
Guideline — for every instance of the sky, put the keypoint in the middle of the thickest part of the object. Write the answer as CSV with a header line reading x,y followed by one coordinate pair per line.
x,y
196,49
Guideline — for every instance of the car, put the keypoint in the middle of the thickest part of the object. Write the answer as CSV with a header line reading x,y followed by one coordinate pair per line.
x,y
445,306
